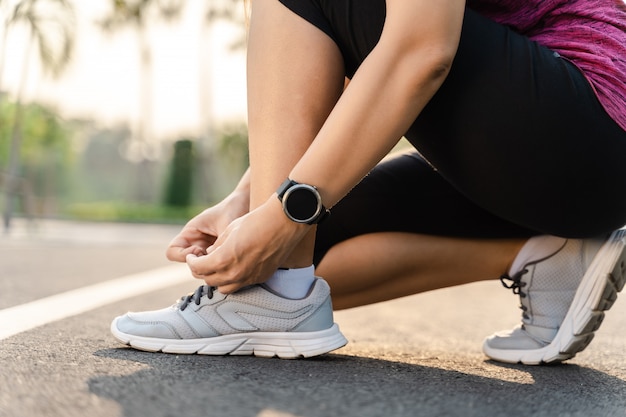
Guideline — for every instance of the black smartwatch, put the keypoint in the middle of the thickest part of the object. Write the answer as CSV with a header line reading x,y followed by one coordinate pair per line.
x,y
302,203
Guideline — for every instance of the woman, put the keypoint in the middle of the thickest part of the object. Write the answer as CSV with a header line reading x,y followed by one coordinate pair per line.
x,y
517,112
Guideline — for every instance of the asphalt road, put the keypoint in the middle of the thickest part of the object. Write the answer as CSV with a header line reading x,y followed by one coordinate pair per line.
x,y
416,356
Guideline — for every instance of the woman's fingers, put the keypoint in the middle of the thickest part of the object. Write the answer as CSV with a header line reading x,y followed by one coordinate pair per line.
x,y
247,252
188,241
196,266
179,254
224,280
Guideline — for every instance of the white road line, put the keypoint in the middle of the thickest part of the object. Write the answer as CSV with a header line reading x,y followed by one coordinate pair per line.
x,y
18,319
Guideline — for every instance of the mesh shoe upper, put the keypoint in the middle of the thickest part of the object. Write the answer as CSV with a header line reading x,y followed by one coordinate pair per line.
x,y
563,297
208,313
547,286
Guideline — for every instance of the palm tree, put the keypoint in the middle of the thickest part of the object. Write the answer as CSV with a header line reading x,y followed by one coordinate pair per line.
x,y
137,14
4,27
229,10
214,10
51,26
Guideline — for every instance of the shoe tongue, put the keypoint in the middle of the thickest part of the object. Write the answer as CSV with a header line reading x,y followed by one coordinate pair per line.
x,y
535,249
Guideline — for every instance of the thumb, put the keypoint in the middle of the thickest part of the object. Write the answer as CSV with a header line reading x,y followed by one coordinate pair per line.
x,y
199,265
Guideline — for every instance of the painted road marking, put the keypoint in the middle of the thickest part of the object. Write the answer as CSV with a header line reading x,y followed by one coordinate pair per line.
x,y
18,319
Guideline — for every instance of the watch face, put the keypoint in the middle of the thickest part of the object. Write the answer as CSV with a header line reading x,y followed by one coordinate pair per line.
x,y
302,203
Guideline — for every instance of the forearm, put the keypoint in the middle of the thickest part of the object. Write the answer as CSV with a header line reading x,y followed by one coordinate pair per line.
x,y
369,119
295,77
387,93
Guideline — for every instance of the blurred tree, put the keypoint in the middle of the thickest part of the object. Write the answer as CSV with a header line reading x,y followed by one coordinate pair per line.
x,y
104,172
233,147
45,156
208,148
137,14
180,179
229,10
4,28
50,25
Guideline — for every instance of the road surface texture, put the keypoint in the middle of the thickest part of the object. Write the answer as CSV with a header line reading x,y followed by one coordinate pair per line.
x,y
415,356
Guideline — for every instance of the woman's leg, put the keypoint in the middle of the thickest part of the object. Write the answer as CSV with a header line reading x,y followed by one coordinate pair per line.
x,y
382,266
405,230
519,130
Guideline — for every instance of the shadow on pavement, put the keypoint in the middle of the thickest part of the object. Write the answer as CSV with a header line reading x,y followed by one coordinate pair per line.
x,y
341,385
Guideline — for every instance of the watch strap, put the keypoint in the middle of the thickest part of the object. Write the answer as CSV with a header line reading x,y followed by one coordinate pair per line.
x,y
282,189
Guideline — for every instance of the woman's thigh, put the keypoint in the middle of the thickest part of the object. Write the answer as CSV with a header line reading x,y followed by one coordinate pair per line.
x,y
520,144
519,131
405,194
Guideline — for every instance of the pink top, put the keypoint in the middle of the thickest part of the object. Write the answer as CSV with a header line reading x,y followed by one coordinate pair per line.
x,y
590,33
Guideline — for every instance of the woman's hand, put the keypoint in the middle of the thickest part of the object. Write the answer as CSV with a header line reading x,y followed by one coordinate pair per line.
x,y
249,250
201,232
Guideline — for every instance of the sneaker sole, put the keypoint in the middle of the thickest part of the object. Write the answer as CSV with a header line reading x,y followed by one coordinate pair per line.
x,y
285,345
597,292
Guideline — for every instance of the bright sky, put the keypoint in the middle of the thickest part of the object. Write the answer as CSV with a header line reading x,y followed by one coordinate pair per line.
x,y
102,81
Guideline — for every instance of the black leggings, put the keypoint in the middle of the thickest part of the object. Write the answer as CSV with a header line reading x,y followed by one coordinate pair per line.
x,y
517,145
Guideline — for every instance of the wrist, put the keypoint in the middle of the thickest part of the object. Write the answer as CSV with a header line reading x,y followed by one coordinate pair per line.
x,y
297,238
301,203
290,230
239,200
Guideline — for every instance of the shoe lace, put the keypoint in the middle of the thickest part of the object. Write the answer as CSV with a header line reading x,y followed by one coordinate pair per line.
x,y
516,284
196,296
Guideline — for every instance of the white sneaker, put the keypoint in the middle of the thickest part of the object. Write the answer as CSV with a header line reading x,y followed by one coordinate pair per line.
x,y
563,298
252,321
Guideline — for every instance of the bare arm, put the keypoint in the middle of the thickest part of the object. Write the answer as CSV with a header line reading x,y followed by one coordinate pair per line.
x,y
302,125
387,93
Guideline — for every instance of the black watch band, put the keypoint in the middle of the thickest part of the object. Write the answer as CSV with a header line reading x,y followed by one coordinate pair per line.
x,y
302,203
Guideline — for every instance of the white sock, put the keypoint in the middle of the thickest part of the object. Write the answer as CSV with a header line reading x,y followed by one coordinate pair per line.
x,y
537,247
292,283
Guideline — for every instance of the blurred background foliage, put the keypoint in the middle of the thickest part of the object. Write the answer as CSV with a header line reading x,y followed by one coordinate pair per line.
x,y
74,169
